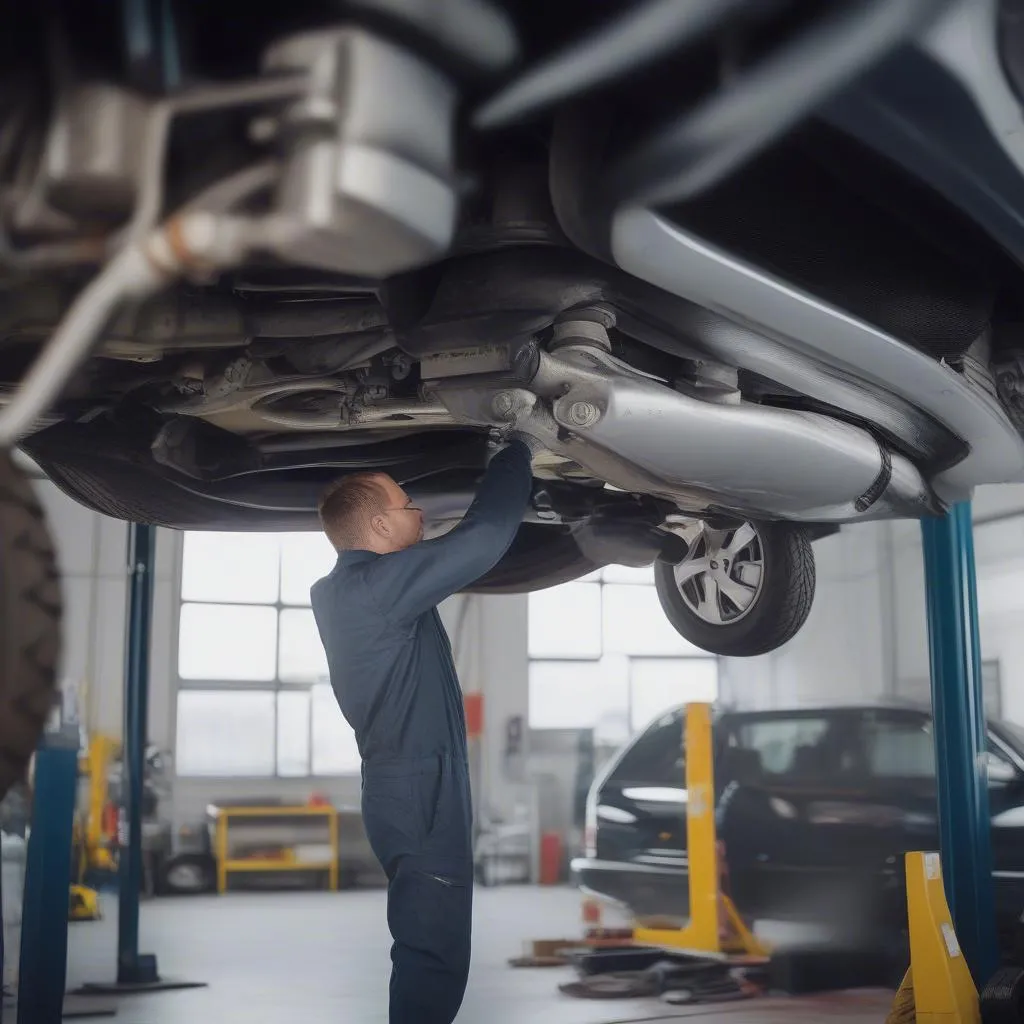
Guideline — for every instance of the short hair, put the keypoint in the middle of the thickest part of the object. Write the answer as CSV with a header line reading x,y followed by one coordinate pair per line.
x,y
347,506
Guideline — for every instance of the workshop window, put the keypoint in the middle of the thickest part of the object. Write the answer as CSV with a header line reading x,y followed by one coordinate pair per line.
x,y
576,694
565,622
656,683
253,690
226,732
604,657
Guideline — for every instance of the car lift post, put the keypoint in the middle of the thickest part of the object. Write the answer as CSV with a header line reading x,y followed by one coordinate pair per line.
x,y
44,929
960,743
938,987
714,926
132,967
136,972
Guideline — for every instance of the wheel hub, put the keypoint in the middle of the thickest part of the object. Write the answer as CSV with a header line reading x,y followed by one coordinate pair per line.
x,y
720,577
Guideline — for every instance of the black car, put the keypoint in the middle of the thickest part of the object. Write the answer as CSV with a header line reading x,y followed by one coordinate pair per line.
x,y
815,810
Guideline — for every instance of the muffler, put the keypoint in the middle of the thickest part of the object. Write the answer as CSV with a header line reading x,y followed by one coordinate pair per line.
x,y
638,434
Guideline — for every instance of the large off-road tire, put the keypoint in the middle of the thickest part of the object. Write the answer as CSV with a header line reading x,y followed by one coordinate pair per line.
x,y
30,614
739,592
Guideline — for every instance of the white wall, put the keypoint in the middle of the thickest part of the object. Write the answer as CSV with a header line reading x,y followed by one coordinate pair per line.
x,y
489,642
867,633
92,556
999,556
844,650
999,551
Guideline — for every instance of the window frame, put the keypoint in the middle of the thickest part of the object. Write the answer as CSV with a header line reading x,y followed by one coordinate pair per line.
x,y
205,776
275,686
632,660
565,663
570,656
596,579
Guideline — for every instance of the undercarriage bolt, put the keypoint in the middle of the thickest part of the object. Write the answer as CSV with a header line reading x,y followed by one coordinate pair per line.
x,y
583,414
502,403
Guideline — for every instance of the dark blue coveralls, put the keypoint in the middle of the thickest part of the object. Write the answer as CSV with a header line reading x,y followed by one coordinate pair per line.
x,y
392,670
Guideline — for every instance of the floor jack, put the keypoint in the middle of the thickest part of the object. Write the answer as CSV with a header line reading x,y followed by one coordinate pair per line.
x,y
715,927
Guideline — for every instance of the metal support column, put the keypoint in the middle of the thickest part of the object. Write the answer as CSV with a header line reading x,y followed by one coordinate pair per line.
x,y
44,929
136,972
960,735
134,968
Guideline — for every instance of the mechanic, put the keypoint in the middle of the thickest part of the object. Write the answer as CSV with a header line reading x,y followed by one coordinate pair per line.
x,y
392,671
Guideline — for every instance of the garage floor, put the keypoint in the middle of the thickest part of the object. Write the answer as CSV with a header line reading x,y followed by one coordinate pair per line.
x,y
270,958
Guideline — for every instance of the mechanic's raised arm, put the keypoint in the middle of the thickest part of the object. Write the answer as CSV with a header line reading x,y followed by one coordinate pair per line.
x,y
410,582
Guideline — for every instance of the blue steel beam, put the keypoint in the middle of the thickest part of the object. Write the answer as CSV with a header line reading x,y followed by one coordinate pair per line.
x,y
131,968
44,929
136,972
960,735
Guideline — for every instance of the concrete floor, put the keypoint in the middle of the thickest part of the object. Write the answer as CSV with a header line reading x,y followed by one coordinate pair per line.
x,y
315,957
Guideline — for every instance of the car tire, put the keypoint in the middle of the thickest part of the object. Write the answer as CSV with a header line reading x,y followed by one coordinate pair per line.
x,y
187,874
738,592
1002,998
30,623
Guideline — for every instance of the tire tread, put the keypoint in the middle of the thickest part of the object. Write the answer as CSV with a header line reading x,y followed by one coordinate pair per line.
x,y
31,611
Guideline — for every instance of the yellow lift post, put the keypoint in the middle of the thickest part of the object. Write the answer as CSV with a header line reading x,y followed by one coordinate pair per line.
x,y
938,988
101,752
93,853
710,908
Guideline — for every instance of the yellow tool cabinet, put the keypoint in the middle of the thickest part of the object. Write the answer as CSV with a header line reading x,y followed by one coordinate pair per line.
x,y
227,865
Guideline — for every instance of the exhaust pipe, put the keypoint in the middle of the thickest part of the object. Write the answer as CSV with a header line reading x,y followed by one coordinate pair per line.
x,y
757,462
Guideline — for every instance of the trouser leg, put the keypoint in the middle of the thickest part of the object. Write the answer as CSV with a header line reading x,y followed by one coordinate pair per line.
x,y
421,831
430,918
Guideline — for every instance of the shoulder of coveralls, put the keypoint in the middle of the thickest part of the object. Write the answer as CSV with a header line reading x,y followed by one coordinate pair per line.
x,y
353,582
357,581
322,584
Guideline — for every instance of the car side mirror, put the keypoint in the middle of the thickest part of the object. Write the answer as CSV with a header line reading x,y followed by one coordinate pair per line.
x,y
1000,772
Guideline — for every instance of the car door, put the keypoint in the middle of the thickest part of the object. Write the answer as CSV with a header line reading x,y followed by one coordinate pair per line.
x,y
897,748
1006,807
641,811
899,751
637,814
784,812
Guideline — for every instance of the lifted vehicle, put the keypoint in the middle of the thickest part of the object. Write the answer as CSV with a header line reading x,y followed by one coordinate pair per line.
x,y
748,269
816,809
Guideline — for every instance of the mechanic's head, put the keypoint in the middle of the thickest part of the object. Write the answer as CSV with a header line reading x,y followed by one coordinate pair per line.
x,y
369,512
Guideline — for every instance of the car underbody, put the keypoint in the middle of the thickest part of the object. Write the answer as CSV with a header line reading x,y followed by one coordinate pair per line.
x,y
747,270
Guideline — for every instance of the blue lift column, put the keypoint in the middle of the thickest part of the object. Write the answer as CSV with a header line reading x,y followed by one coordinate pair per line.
x,y
44,929
960,735
134,968
136,972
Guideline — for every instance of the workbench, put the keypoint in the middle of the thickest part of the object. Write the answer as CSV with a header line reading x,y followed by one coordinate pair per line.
x,y
227,864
